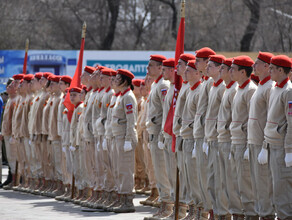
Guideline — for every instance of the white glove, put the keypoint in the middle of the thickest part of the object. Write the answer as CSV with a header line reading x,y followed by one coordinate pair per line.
x,y
72,148
194,151
29,142
160,145
288,159
206,148
229,157
104,144
127,146
263,156
246,154
64,149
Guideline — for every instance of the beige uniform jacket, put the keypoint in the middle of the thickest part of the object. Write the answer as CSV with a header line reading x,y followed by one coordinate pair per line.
x,y
166,107
155,105
74,124
65,129
87,114
215,98
225,112
24,119
124,117
105,103
179,107
46,114
258,111
96,110
32,113
240,112
189,111
144,112
61,108
199,122
140,115
278,129
6,129
15,117
53,118
108,122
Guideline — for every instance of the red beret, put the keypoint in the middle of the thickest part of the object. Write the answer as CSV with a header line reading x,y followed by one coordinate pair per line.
x,y
106,71
137,82
28,77
66,79
54,78
47,74
75,89
187,56
157,57
169,62
143,82
84,87
114,73
265,56
282,61
125,73
217,58
18,76
192,63
100,67
228,61
89,69
204,52
243,61
38,75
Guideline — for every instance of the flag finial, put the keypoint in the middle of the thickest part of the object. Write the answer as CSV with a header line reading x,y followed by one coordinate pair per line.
x,y
26,45
182,10
83,30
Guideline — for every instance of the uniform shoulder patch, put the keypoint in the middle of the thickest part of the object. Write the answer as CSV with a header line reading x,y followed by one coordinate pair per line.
x,y
164,91
129,106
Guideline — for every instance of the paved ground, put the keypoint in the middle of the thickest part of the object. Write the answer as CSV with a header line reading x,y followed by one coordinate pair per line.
x,y
20,206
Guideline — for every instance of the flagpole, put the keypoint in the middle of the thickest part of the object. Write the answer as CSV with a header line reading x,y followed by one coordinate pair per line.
x,y
25,56
178,82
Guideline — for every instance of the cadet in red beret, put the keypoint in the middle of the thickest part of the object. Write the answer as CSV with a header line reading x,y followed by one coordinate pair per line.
x,y
201,146
260,174
277,132
241,70
220,205
224,144
64,83
156,99
186,144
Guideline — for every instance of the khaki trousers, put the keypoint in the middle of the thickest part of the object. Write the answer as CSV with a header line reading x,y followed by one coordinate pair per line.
x,y
114,156
191,174
57,149
282,182
36,165
148,161
140,171
28,156
159,165
171,166
99,164
126,166
261,176
183,193
45,157
82,158
244,180
202,164
50,165
109,183
75,158
67,166
90,163
11,151
223,171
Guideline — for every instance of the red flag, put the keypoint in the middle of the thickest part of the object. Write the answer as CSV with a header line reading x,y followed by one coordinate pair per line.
x,y
76,81
179,49
25,57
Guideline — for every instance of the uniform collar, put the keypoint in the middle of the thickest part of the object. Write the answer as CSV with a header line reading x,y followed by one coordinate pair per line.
x,y
90,88
78,104
262,82
96,89
157,80
217,83
206,77
283,83
185,82
195,85
230,84
127,90
244,84
117,94
108,89
100,89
